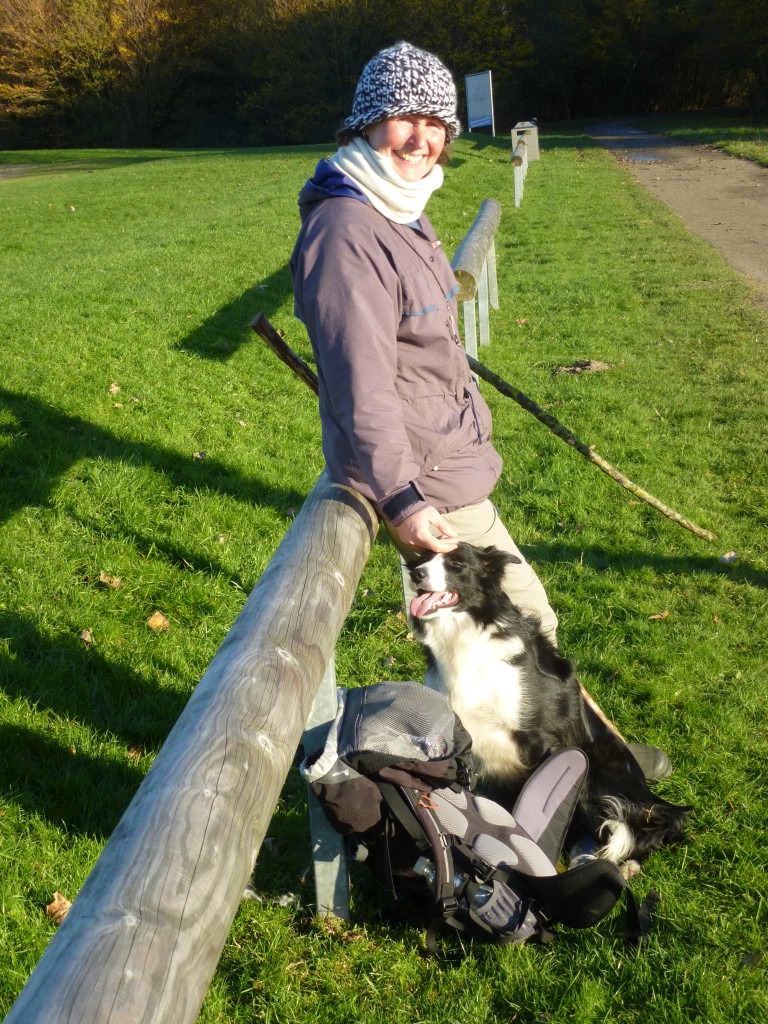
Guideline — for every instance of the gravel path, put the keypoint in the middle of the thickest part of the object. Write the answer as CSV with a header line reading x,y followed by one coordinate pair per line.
x,y
721,198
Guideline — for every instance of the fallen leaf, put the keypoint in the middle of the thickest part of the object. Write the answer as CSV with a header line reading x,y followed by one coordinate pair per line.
x,y
106,579
114,389
135,753
716,619
199,455
660,615
58,909
86,636
728,557
158,622
117,405
521,321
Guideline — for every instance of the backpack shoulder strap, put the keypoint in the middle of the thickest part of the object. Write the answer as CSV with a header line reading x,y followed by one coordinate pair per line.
x,y
414,810
548,799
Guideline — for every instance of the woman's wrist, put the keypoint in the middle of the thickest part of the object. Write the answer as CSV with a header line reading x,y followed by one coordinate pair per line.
x,y
398,507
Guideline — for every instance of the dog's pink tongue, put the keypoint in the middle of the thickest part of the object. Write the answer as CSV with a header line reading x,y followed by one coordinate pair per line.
x,y
425,604
422,604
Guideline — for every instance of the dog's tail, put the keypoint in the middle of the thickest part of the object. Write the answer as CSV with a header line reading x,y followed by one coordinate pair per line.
x,y
633,831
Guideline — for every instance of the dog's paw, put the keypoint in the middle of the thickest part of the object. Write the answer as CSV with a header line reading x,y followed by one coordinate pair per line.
x,y
630,868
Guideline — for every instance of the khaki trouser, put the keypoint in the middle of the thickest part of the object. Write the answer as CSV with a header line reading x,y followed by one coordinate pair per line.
x,y
482,526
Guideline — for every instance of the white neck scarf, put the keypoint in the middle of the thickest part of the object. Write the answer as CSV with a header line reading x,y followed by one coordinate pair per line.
x,y
399,200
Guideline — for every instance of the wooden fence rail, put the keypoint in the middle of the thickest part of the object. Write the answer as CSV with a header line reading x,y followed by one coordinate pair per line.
x,y
474,264
144,935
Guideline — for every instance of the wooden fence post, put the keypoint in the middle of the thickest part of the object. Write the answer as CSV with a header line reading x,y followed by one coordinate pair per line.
x,y
144,935
519,160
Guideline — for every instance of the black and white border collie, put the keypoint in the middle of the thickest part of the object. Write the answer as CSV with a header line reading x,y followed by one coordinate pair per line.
x,y
520,701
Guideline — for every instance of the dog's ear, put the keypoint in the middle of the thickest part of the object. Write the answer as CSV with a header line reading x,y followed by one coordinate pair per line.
x,y
494,559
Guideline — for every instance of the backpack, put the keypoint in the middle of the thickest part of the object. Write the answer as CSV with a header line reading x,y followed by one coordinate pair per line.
x,y
396,778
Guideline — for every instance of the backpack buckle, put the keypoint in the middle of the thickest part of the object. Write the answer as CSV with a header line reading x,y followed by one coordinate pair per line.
x,y
448,906
482,869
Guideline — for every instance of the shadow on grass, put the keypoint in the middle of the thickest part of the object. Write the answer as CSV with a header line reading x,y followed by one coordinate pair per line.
x,y
29,162
87,795
77,684
221,335
630,562
574,140
59,674
46,443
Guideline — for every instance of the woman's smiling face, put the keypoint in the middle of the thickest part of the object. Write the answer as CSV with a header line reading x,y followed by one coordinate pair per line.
x,y
412,142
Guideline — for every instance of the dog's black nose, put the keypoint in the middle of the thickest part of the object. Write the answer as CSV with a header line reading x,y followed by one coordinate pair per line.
x,y
418,573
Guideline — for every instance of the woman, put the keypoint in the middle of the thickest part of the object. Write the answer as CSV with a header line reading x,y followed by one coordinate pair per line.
x,y
403,421
402,418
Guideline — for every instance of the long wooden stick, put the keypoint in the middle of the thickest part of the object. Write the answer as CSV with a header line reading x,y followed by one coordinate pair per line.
x,y
284,352
570,439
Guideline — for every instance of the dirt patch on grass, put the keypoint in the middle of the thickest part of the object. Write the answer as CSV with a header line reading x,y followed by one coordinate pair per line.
x,y
722,198
15,170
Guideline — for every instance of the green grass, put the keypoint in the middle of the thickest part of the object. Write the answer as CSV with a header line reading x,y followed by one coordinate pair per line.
x,y
143,271
734,132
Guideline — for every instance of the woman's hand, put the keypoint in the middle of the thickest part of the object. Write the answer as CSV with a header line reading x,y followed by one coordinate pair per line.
x,y
426,530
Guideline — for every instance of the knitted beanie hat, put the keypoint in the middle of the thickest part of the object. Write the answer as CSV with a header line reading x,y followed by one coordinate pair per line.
x,y
404,80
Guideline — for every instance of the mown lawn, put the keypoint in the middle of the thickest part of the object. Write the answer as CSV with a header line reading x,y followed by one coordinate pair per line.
x,y
146,436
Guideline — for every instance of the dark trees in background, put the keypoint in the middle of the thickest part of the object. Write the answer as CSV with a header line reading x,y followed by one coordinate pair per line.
x,y
275,72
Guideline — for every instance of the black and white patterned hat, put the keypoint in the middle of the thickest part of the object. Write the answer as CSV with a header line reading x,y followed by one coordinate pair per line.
x,y
404,80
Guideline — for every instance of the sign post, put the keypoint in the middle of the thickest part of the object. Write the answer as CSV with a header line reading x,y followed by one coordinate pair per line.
x,y
480,101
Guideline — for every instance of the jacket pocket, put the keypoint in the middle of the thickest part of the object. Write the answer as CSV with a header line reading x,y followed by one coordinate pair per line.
x,y
438,425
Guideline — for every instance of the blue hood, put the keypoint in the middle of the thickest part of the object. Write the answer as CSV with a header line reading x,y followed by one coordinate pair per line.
x,y
328,183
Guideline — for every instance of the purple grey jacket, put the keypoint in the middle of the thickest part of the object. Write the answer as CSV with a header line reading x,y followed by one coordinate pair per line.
x,y
403,421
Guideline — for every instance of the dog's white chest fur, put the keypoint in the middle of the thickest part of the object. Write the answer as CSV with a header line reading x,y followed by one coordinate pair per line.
x,y
471,668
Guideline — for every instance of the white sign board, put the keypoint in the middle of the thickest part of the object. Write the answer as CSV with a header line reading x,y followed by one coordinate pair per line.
x,y
480,101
